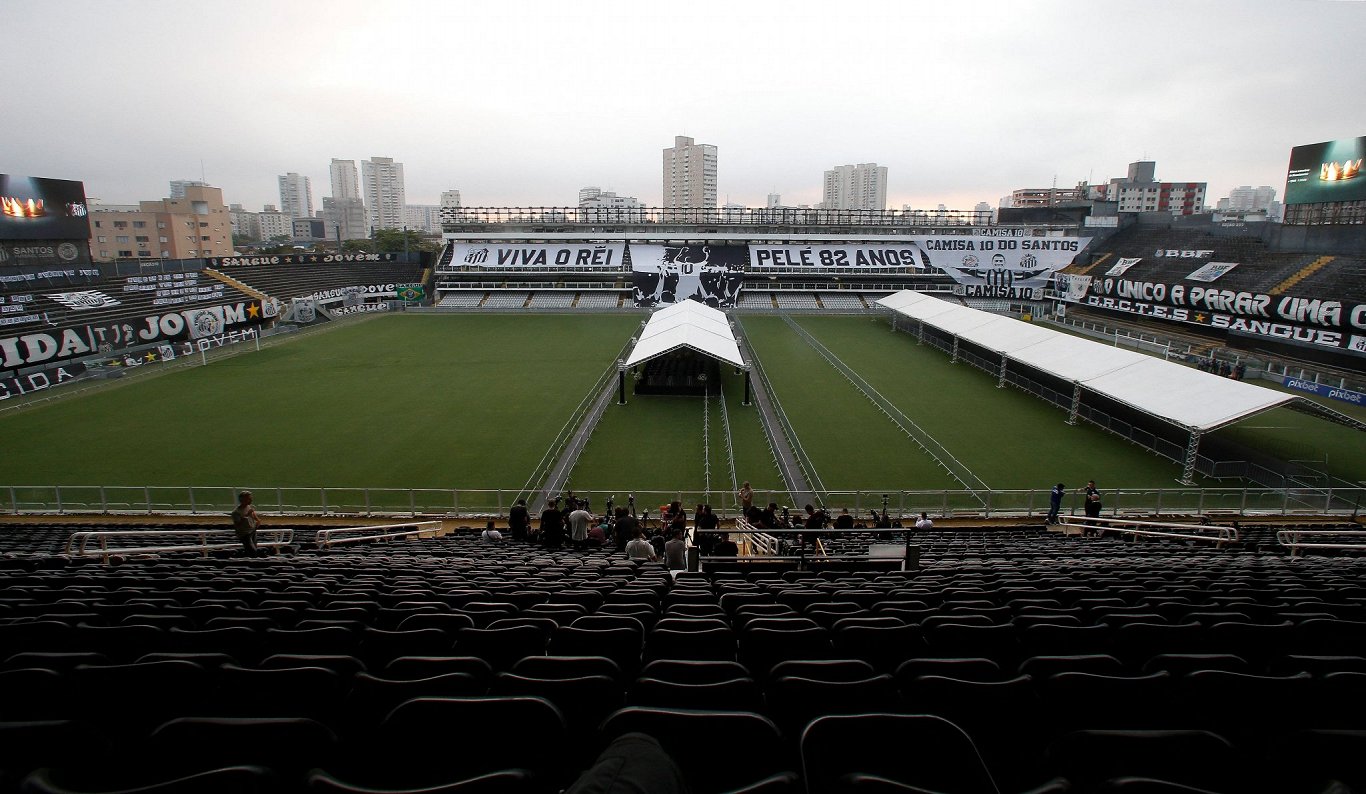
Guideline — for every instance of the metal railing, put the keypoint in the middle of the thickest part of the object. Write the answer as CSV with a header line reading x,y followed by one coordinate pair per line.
x,y
79,542
416,530
1219,535
1293,539
1123,501
455,217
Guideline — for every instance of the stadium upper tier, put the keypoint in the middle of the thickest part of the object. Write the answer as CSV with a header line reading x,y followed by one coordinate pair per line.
x,y
286,281
1169,255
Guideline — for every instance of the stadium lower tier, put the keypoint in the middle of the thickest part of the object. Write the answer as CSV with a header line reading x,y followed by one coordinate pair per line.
x,y
1015,659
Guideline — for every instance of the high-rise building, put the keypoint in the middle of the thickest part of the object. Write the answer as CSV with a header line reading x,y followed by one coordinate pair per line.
x,y
178,186
982,214
855,187
345,218
588,194
775,200
195,225
689,174
296,195
1249,199
425,218
345,179
383,191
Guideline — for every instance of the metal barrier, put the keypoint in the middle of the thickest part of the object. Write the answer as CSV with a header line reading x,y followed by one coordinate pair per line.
x,y
327,538
78,543
1291,539
1166,529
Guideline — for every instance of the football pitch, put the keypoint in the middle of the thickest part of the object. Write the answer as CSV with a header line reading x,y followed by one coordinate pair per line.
x,y
481,402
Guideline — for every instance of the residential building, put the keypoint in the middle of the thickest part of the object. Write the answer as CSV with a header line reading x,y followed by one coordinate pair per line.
x,y
450,206
345,179
605,206
345,218
274,223
1249,199
178,186
425,218
982,214
296,196
195,225
308,229
1047,196
775,200
245,225
383,191
1141,192
689,175
855,187
733,212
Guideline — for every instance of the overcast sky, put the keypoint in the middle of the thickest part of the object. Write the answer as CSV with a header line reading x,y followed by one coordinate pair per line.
x,y
521,103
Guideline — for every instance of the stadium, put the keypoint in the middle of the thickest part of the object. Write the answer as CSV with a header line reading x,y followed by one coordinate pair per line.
x,y
1199,629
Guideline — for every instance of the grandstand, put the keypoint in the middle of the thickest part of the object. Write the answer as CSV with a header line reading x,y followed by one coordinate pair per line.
x,y
978,655
1061,658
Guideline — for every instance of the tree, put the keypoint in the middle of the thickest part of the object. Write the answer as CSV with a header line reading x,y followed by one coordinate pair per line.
x,y
358,246
393,240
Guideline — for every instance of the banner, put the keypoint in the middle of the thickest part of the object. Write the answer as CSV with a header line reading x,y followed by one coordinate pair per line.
x,y
411,293
45,252
18,309
1071,287
34,208
359,308
540,256
85,340
996,267
815,256
38,381
297,259
1212,271
1316,321
31,277
177,289
1123,266
711,274
87,299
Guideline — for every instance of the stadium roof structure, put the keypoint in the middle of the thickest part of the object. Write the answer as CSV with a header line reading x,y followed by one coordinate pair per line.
x,y
687,324
1198,402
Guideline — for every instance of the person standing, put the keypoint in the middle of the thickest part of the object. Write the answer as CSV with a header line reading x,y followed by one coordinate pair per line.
x,y
626,528
578,525
552,524
746,497
1055,502
1093,500
245,523
519,521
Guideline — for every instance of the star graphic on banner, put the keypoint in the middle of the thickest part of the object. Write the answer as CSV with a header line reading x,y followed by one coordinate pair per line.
x,y
253,310
1199,318
150,356
289,260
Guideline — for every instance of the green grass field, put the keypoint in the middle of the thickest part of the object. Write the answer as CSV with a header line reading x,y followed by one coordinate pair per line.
x,y
475,402
406,401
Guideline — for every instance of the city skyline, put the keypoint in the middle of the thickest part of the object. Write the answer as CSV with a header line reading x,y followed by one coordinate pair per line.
x,y
962,104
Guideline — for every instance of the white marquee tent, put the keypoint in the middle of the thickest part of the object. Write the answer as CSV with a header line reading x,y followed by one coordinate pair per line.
x,y
1198,402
